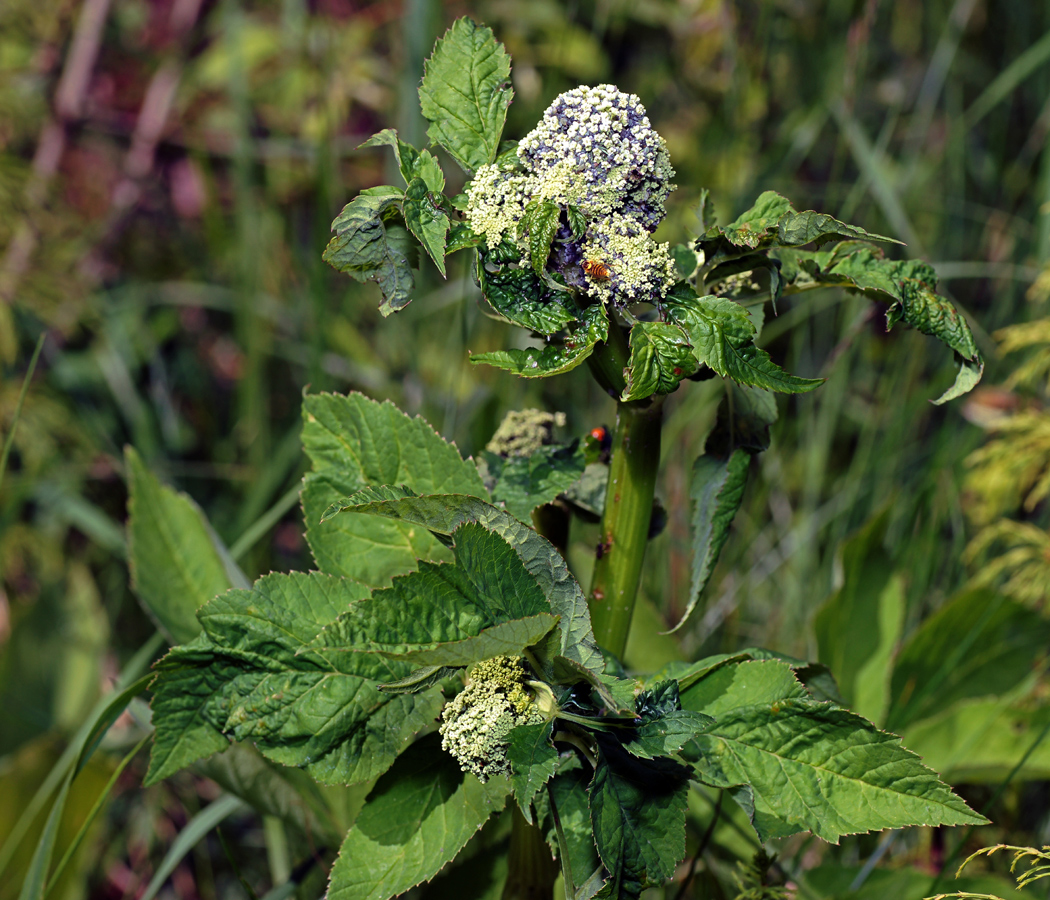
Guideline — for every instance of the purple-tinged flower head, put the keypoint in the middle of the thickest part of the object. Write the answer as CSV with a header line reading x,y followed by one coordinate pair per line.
x,y
595,149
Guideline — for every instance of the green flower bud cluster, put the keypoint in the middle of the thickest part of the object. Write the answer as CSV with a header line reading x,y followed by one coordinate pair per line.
x,y
475,724
523,432
595,151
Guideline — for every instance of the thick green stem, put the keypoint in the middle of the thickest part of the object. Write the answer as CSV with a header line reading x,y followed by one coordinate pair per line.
x,y
531,869
625,521
608,361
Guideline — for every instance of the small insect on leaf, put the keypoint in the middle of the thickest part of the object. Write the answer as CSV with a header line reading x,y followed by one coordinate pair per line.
x,y
599,271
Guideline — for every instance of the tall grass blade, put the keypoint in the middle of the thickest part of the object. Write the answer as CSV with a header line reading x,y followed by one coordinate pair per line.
x,y
74,754
92,814
190,836
1008,79
9,441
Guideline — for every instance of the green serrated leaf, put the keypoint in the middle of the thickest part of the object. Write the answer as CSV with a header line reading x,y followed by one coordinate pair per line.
x,y
661,357
796,229
533,761
667,735
183,733
750,227
539,225
734,683
933,315
523,483
465,93
461,237
444,514
411,162
753,366
722,336
553,358
422,678
353,442
428,168
978,644
716,488
814,767
638,817
773,222
909,287
426,221
417,818
369,245
519,296
486,605
175,566
249,677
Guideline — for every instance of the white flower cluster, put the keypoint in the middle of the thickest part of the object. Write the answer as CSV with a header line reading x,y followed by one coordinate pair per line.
x,y
594,149
639,269
475,724
496,202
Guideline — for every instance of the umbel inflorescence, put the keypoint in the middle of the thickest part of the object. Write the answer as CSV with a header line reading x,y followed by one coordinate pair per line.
x,y
594,152
476,723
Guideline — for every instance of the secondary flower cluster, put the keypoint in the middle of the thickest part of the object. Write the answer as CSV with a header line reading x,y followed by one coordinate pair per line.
x,y
596,151
476,722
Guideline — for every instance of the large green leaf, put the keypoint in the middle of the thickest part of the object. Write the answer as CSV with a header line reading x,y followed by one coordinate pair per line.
x,y
249,677
521,297
418,817
666,735
722,337
720,684
555,357
773,221
933,315
426,220
978,644
442,615
443,514
661,357
175,566
370,245
533,761
807,765
858,627
638,817
908,286
465,93
183,733
521,483
354,442
716,488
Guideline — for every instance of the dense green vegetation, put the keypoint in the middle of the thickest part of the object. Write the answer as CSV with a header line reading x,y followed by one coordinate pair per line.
x,y
166,203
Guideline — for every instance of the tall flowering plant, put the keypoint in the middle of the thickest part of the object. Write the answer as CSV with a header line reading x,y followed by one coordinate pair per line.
x,y
443,654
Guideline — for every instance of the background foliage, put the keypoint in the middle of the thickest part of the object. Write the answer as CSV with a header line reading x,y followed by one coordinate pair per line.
x,y
168,172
